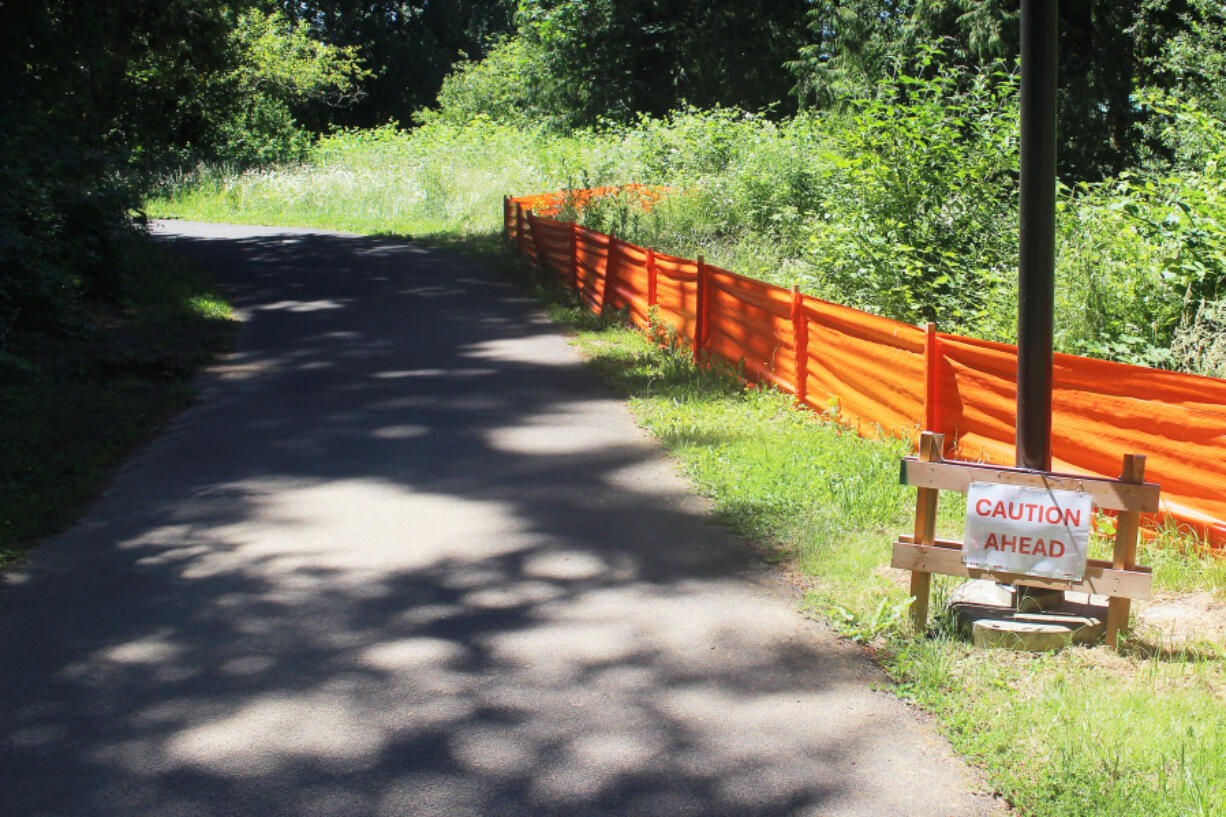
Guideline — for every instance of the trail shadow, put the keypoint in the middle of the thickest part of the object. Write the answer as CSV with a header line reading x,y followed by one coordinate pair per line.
x,y
407,557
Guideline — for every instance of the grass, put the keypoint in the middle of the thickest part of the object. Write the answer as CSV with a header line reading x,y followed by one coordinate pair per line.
x,y
77,403
817,201
440,181
1081,732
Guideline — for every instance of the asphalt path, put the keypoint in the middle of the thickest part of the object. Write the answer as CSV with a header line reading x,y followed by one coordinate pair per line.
x,y
408,556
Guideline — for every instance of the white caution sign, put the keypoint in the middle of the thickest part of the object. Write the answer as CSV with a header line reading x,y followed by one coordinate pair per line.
x,y
1035,531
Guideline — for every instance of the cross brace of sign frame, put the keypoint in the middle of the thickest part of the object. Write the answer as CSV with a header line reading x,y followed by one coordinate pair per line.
x,y
1121,579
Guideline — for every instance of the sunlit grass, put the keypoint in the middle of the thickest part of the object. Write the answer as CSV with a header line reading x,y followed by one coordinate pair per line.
x,y
211,306
438,180
1081,733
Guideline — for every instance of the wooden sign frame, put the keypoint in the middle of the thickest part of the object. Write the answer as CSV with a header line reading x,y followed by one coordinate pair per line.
x,y
1121,579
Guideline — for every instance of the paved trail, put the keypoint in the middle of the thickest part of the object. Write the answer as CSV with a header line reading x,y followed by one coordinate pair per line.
x,y
408,557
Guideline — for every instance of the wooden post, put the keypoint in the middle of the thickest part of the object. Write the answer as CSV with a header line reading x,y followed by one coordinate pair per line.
x,y
800,345
536,243
506,220
932,360
610,274
652,298
574,256
519,229
1128,525
700,309
930,448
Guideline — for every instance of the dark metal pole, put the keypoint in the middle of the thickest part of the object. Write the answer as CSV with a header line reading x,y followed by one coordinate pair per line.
x,y
1037,233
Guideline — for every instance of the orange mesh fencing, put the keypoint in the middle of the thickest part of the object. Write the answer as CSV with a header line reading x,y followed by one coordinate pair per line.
x,y
750,323
591,266
881,376
554,243
1099,409
871,369
550,204
630,282
676,293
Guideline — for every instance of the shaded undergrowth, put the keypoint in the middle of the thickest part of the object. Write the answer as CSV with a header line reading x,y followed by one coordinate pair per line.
x,y
77,401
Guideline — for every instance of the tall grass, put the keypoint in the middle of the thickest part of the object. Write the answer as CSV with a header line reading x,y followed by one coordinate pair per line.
x,y
438,179
906,209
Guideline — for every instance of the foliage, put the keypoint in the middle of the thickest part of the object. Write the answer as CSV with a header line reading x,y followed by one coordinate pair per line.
x,y
278,57
277,66
438,178
71,119
585,62
1200,341
855,43
507,86
75,404
925,199
1168,223
1189,64
100,95
408,45
1107,50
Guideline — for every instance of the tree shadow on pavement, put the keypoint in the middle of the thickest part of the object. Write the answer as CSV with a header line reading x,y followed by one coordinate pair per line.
x,y
407,557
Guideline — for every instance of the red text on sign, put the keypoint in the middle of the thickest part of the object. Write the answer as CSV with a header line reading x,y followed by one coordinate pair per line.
x,y
1026,545
1028,512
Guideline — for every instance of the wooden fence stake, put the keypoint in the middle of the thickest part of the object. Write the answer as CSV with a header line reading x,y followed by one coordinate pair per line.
x,y
1128,524
536,243
800,345
930,447
574,256
519,229
932,362
700,310
652,298
610,273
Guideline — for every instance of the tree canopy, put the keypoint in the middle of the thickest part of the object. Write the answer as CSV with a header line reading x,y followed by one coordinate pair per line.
x,y
101,97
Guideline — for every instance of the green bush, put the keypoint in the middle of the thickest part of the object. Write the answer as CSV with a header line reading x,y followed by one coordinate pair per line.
x,y
506,86
904,205
920,221
1199,343
1143,252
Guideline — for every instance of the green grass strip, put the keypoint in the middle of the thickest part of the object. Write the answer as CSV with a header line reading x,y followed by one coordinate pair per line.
x,y
1082,732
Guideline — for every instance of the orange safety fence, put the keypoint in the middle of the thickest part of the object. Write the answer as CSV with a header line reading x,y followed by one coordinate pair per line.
x,y
550,204
889,377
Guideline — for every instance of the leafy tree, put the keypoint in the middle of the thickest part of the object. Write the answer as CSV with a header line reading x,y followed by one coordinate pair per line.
x,y
509,85
925,197
277,66
100,94
1190,66
74,117
409,46
1107,51
584,62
